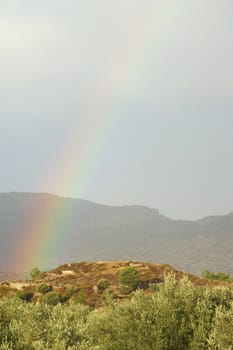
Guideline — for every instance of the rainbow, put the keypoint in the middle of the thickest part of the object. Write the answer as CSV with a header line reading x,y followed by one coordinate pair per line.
x,y
122,77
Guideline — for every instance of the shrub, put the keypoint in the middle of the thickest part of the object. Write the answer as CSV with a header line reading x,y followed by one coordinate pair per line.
x,y
108,297
79,299
103,284
52,298
44,288
23,295
68,294
221,276
153,287
35,273
129,279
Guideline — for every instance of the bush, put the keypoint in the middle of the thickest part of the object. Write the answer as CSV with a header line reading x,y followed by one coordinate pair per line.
x,y
44,288
220,276
68,294
52,298
153,287
103,284
79,299
35,273
129,279
23,295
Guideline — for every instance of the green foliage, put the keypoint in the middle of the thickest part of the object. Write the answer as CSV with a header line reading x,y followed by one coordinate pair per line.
x,y
35,273
129,279
221,336
68,294
179,316
27,326
44,288
79,298
52,298
103,284
24,295
153,287
108,297
220,276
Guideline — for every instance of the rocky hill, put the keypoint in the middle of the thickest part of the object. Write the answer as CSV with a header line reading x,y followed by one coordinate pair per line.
x,y
80,281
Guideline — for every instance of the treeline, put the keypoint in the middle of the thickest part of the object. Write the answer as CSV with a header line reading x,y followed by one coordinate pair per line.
x,y
176,316
218,276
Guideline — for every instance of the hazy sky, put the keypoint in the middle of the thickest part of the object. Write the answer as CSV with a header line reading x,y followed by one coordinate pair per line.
x,y
119,102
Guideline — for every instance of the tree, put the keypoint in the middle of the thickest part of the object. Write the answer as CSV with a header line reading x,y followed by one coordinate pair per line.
x,y
35,273
221,276
129,279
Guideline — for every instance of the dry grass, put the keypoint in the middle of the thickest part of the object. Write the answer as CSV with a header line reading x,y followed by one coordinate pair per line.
x,y
83,277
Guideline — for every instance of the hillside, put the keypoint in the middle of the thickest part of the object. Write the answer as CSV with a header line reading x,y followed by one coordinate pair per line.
x,y
87,231
79,281
89,306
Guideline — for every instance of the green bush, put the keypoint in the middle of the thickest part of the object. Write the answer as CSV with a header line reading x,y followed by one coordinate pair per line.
x,y
220,276
24,295
79,298
44,288
128,279
35,273
103,284
52,298
68,294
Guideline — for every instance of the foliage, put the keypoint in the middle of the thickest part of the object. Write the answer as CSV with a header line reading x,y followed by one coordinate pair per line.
x,y
52,298
129,279
153,287
220,276
35,273
68,294
177,316
24,295
27,326
44,288
103,284
79,298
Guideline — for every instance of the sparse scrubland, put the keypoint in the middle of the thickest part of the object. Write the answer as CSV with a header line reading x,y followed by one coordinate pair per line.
x,y
173,311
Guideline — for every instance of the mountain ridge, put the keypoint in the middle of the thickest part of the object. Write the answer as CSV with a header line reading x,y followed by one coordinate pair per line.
x,y
130,232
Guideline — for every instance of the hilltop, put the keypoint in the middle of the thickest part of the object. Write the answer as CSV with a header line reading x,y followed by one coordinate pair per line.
x,y
79,281
91,306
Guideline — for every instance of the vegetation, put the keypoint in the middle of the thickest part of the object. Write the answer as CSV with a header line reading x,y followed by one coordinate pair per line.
x,y
44,288
24,295
219,276
129,279
177,316
35,273
52,298
87,282
79,298
69,292
103,284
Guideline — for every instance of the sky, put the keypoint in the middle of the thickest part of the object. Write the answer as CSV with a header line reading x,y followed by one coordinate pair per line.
x,y
119,102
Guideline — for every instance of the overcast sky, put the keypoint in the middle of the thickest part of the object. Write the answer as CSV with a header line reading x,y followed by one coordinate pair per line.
x,y
119,102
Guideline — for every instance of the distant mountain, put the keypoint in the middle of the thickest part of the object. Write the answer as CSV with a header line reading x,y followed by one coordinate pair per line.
x,y
88,231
